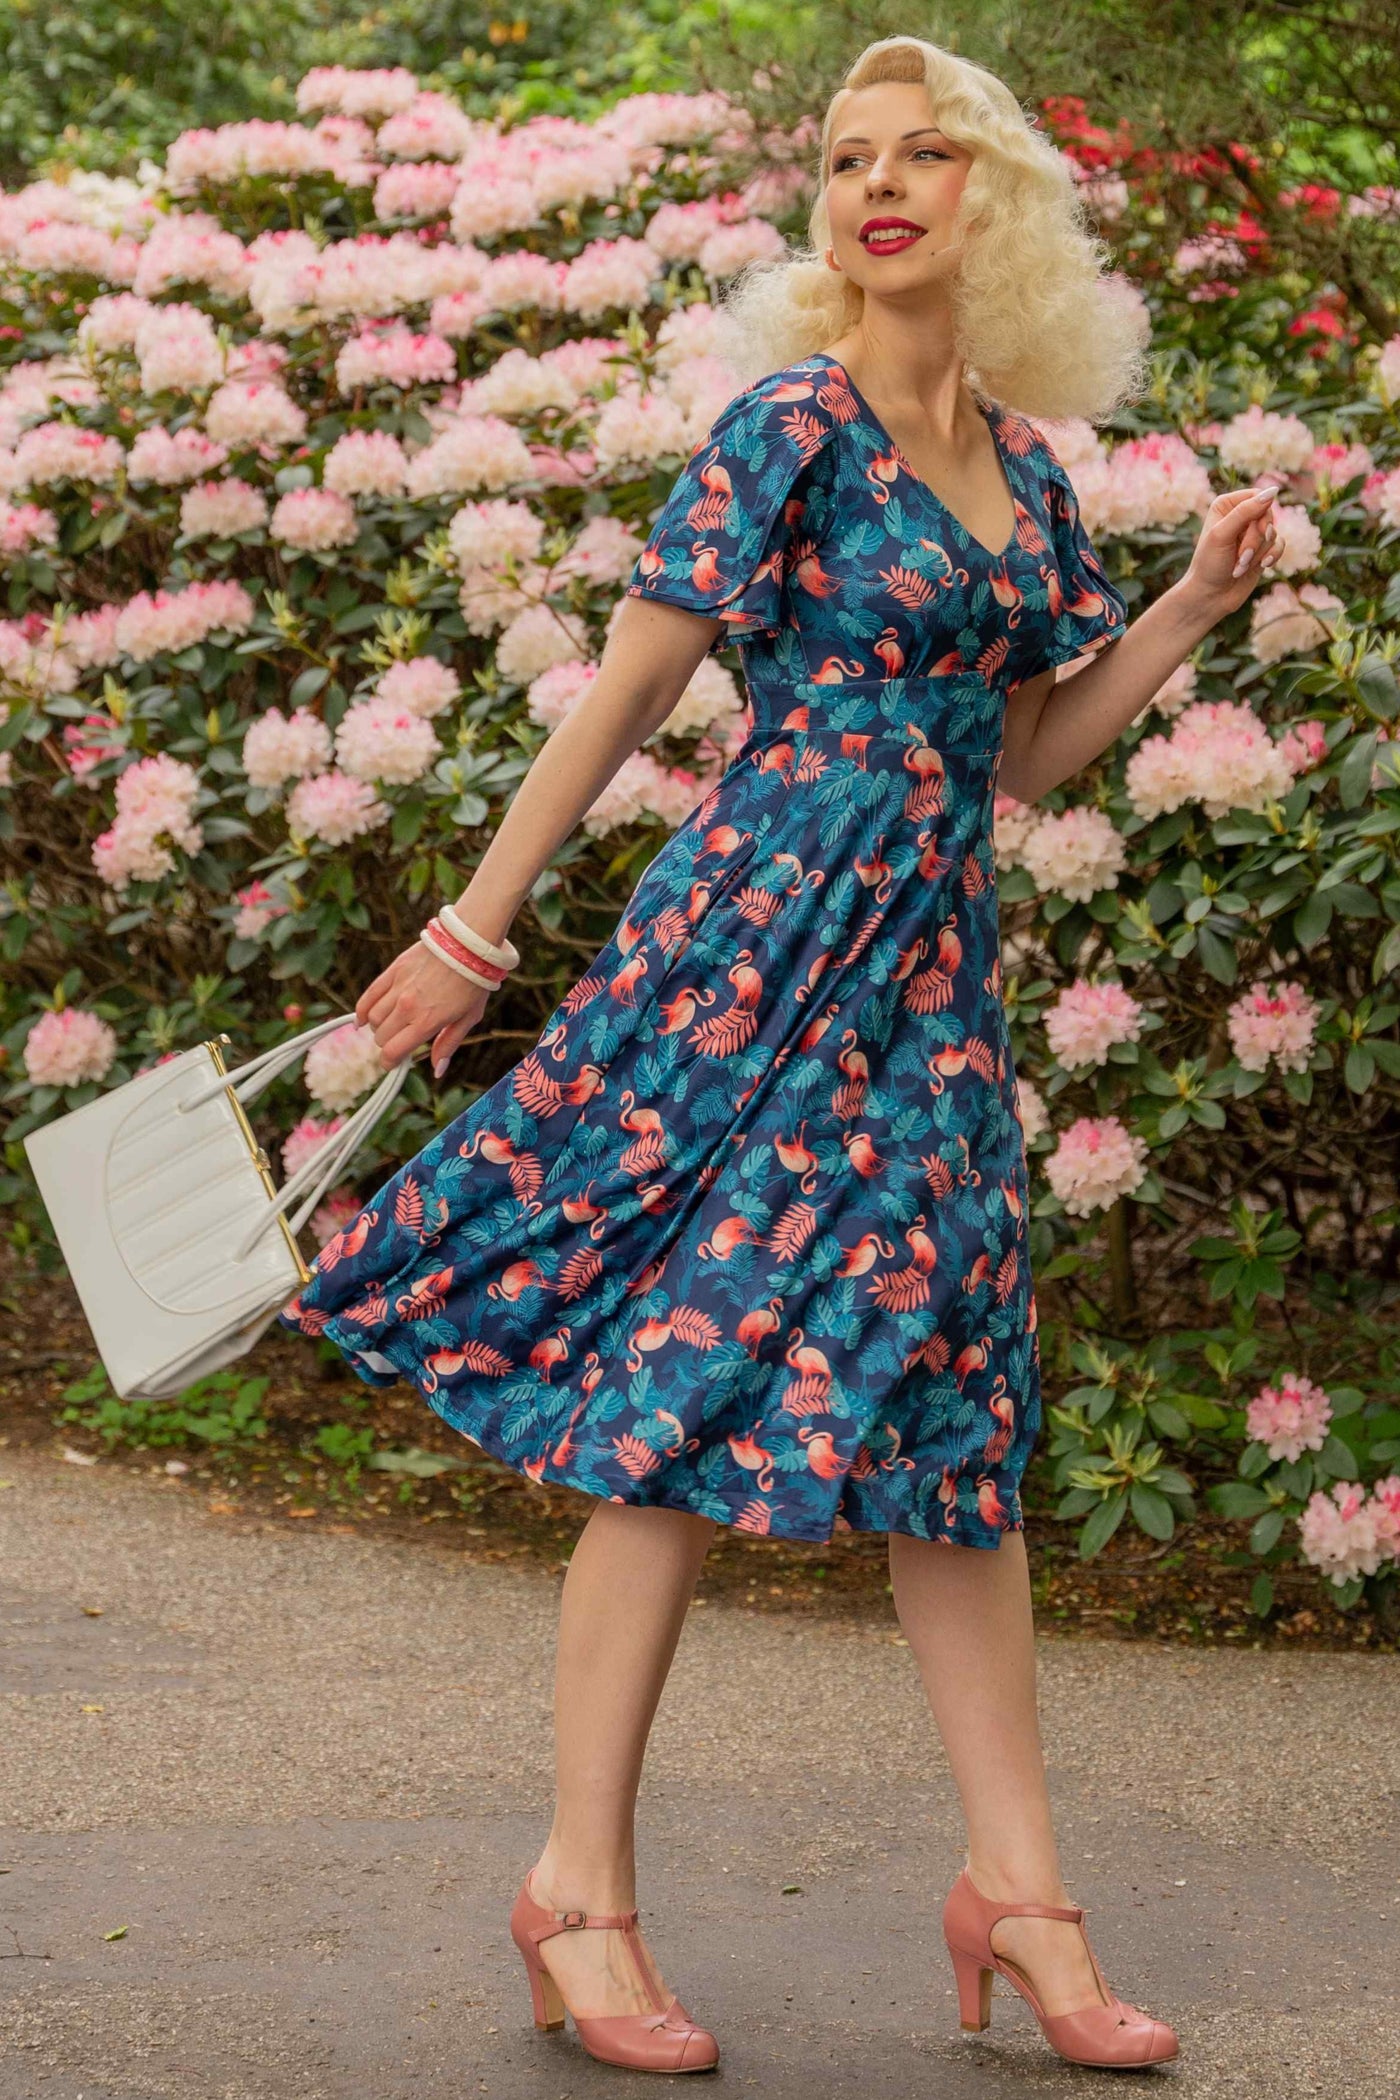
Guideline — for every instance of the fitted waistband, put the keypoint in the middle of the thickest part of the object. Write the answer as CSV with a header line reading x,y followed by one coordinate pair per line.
x,y
857,743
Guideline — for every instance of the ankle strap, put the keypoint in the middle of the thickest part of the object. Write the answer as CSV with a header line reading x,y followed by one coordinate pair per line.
x,y
569,1920
1073,1914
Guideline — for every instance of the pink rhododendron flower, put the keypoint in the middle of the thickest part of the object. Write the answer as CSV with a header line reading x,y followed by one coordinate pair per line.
x,y
276,749
90,638
343,1065
393,356
1386,371
219,510
315,519
366,463
378,741
257,908
1280,1024
1260,442
1301,541
1218,753
484,536
422,190
558,690
155,623
23,527
431,127
1035,1116
334,807
305,1139
1342,1534
1381,494
365,92
69,1047
54,452
1087,1019
1076,851
178,351
155,800
535,639
1304,745
475,452
1096,1161
1290,618
1333,466
170,457
421,684
244,413
1290,1418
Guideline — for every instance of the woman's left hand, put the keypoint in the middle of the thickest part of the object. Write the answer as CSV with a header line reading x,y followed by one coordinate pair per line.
x,y
1238,540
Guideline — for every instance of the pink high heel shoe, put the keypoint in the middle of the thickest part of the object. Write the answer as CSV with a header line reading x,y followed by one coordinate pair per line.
x,y
1112,2033
665,2039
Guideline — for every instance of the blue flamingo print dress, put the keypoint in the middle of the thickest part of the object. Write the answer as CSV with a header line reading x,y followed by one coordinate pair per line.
x,y
746,1233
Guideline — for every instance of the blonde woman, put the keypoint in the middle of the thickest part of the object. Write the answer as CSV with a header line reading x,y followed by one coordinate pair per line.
x,y
744,1239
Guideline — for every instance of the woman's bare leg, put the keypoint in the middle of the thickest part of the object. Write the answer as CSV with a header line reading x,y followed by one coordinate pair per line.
x,y
966,1613
624,1602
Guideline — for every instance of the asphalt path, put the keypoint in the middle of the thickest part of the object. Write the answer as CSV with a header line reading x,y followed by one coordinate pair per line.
x,y
301,1773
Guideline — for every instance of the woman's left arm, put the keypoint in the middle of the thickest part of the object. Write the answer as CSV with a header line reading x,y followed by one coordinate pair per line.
x,y
1053,730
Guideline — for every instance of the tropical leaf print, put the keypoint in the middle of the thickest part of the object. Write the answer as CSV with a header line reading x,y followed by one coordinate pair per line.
x,y
746,1232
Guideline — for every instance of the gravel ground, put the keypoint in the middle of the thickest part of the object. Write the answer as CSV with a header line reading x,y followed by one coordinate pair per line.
x,y
302,1772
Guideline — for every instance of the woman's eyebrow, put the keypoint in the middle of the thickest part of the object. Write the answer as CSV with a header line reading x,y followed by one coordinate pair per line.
x,y
853,138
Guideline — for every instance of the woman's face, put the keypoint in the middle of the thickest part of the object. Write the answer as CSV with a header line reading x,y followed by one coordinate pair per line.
x,y
891,167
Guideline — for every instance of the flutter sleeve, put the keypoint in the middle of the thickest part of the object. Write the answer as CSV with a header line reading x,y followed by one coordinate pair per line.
x,y
1093,610
723,539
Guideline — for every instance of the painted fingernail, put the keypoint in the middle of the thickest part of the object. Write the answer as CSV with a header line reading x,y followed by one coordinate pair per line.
x,y
439,1067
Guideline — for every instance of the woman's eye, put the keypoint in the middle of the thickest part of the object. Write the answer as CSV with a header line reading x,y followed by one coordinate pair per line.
x,y
847,160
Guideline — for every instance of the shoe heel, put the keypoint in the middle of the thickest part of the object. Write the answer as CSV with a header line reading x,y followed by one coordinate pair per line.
x,y
974,1991
546,1999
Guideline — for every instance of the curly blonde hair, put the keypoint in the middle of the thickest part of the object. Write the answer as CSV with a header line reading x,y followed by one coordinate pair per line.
x,y
1041,323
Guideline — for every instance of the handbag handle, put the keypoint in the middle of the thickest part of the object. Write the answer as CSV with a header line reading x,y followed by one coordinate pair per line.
x,y
267,1064
325,1164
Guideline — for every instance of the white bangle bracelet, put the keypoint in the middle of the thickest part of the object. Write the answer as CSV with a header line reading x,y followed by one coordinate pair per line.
x,y
506,956
452,963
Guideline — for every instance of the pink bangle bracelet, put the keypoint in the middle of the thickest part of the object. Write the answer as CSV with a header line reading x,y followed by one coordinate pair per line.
x,y
437,937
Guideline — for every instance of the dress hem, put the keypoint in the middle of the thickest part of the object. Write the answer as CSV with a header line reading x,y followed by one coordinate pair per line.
x,y
988,1540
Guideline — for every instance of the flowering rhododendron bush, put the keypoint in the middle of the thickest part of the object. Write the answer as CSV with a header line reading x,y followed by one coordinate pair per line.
x,y
323,461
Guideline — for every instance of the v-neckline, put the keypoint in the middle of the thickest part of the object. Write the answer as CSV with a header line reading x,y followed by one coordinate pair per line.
x,y
992,553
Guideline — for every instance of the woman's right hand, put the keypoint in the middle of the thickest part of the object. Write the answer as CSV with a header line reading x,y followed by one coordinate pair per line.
x,y
418,999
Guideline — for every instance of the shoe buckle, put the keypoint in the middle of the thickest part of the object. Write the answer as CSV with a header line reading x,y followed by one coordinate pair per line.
x,y
575,1917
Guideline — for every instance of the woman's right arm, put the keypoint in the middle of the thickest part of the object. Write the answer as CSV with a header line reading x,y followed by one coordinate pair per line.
x,y
650,658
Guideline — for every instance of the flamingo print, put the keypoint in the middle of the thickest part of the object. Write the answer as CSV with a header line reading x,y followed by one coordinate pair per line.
x,y
745,1228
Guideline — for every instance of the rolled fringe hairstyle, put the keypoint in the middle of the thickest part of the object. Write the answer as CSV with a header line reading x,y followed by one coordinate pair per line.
x,y
1040,322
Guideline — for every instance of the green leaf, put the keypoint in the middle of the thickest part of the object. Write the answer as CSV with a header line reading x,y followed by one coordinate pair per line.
x,y
1337,1458
1374,677
1153,1511
1100,1527
409,819
1264,1532
1311,921
308,685
1218,957
1236,1498
1261,1596
1354,773
1360,1068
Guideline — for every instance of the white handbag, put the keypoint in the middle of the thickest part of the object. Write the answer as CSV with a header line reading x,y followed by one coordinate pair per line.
x,y
163,1204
